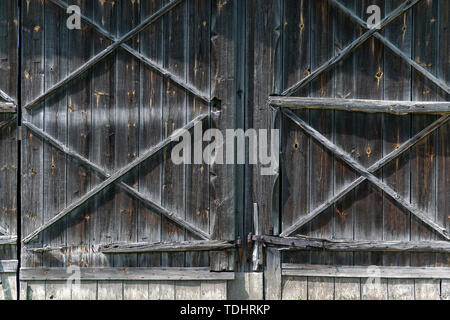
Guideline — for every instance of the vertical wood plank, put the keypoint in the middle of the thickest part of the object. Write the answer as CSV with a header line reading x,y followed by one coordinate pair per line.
x,y
110,290
86,291
135,290
295,288
445,289
8,287
347,289
57,290
174,116
373,290
103,224
187,290
161,290
35,290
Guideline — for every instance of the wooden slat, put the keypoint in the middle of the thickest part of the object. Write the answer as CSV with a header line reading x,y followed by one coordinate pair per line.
x,y
362,272
5,240
7,107
361,105
116,176
272,275
166,246
116,274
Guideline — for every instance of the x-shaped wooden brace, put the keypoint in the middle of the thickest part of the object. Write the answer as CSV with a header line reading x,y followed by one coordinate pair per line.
x,y
115,178
366,174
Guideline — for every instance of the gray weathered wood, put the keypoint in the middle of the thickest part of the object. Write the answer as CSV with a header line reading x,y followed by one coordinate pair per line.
x,y
360,105
7,266
347,289
7,107
8,286
426,289
126,274
362,272
272,274
405,6
400,289
114,177
342,155
320,288
110,290
103,54
295,288
166,246
441,84
4,240
213,290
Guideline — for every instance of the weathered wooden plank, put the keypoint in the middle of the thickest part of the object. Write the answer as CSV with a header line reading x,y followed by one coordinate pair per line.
x,y
426,289
405,6
187,290
272,275
400,289
295,288
35,290
7,266
320,288
355,272
138,274
445,289
342,155
8,287
32,81
303,243
57,290
376,166
162,290
166,246
110,290
7,107
361,105
114,177
9,53
87,290
347,289
5,240
213,290
135,290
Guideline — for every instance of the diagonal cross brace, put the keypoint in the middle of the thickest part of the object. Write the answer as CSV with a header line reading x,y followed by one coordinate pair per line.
x,y
104,174
146,61
342,155
441,84
103,54
375,167
115,178
405,6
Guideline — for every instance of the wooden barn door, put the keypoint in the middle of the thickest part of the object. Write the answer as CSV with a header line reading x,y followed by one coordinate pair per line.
x,y
101,198
361,204
8,148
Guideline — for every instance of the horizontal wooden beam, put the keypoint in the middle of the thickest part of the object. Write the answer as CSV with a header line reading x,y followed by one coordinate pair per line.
x,y
5,240
359,105
7,107
308,243
365,272
402,8
8,266
125,187
136,274
180,246
113,178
